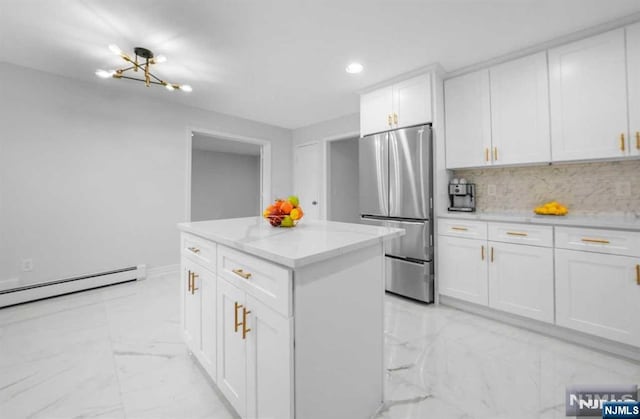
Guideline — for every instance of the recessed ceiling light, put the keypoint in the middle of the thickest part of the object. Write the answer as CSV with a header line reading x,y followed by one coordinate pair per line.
x,y
354,68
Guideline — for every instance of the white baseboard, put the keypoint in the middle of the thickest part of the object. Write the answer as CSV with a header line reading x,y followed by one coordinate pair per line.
x,y
159,271
592,342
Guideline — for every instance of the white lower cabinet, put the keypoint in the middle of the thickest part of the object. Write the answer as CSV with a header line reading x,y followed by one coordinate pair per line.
x,y
199,305
254,355
462,265
599,294
521,280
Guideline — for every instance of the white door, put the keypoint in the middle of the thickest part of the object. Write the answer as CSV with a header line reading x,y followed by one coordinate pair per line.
x,y
521,280
191,306
598,294
462,265
207,289
376,111
520,111
232,378
269,363
588,94
307,179
467,120
633,74
412,101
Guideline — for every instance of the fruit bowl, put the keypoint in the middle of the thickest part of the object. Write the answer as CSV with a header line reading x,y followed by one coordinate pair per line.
x,y
551,208
284,212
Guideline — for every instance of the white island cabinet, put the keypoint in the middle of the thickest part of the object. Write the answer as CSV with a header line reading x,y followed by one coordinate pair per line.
x,y
287,322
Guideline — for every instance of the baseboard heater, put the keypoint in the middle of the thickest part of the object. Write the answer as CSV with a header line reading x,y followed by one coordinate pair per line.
x,y
43,290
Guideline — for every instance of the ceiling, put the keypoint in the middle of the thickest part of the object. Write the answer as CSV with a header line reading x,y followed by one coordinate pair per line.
x,y
282,61
210,143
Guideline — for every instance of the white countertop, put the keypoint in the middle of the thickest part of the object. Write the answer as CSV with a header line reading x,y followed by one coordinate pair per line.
x,y
615,222
308,242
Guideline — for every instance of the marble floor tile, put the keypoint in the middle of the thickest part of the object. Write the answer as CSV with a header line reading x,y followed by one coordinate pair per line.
x,y
117,352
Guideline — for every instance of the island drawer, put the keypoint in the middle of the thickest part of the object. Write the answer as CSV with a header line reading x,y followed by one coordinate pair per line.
x,y
626,243
199,250
264,280
533,235
462,228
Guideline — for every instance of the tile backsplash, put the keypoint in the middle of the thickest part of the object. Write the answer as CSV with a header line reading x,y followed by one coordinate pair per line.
x,y
586,188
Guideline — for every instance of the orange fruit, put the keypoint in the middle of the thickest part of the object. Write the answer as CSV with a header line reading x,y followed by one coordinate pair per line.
x,y
286,207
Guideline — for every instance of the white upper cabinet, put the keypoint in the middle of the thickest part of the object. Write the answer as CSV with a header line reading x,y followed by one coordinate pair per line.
x,y
467,120
588,95
376,109
633,74
520,111
401,105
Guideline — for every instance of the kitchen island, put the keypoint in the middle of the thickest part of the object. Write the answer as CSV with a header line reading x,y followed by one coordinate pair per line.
x,y
288,323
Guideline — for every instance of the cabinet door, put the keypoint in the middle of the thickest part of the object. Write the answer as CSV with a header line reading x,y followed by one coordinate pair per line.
x,y
375,111
412,101
191,308
206,284
269,363
598,294
462,266
467,120
633,73
520,111
521,280
589,98
231,347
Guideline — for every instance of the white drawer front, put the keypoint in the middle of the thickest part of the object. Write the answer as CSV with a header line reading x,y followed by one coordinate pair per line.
x,y
199,250
521,234
462,228
266,281
615,242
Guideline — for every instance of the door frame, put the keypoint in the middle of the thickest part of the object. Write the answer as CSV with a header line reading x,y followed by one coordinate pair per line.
x,y
326,173
265,164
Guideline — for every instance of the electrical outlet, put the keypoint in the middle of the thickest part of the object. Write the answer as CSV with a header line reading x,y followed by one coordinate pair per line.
x,y
27,265
491,189
623,189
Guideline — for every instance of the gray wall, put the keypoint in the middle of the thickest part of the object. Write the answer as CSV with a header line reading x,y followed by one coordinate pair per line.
x,y
224,185
343,181
93,175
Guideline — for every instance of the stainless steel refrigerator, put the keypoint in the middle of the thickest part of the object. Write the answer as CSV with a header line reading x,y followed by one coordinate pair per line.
x,y
395,182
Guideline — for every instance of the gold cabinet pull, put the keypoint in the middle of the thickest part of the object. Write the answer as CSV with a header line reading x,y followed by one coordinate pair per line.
x,y
491,254
189,284
517,233
395,118
236,325
459,228
245,330
622,142
495,153
389,120
193,282
486,154
638,140
601,241
482,252
194,250
638,274
240,272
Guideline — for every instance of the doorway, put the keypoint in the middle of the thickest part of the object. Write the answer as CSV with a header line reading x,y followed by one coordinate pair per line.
x,y
226,177
342,180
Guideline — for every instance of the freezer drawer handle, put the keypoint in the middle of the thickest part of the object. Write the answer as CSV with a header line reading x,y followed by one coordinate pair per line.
x,y
240,272
517,233
601,241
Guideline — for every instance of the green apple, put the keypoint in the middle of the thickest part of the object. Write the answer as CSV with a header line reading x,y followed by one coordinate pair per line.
x,y
294,200
287,221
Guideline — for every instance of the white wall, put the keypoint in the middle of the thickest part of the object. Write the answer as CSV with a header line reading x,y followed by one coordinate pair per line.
x,y
326,129
343,181
93,177
224,185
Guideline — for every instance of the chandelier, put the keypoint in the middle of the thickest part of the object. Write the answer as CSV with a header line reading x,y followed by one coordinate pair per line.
x,y
140,64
